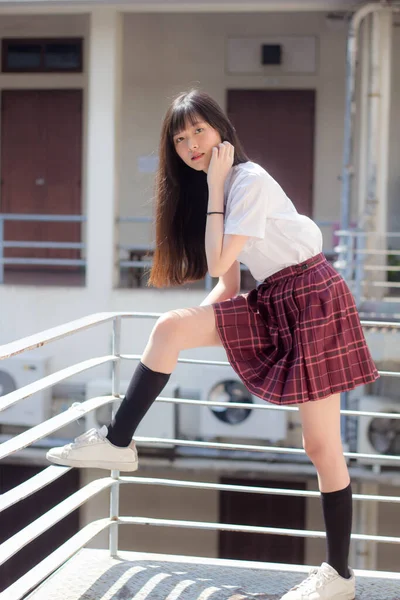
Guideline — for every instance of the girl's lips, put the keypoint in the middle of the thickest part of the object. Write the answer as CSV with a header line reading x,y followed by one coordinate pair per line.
x,y
197,157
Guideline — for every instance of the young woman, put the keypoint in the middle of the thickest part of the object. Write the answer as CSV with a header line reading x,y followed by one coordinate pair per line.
x,y
295,339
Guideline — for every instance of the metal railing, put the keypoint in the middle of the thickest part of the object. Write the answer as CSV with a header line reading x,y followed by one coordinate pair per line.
x,y
47,566
27,218
124,264
364,261
327,227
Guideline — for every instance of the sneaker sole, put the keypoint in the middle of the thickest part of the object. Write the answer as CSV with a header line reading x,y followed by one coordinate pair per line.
x,y
132,466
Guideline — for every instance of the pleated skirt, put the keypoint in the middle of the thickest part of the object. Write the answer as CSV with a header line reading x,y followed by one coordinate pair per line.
x,y
297,337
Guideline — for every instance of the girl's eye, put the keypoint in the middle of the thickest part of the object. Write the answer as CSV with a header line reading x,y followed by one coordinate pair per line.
x,y
178,140
199,129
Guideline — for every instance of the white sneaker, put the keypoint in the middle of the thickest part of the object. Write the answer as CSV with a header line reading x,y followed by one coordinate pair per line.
x,y
324,583
92,449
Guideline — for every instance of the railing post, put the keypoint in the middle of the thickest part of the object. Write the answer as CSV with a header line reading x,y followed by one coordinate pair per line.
x,y
359,249
349,261
115,390
1,249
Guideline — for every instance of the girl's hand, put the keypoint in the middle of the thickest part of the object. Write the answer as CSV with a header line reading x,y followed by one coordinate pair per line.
x,y
220,164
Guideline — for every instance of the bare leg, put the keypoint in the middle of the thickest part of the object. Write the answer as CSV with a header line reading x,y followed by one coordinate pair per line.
x,y
179,330
322,442
175,331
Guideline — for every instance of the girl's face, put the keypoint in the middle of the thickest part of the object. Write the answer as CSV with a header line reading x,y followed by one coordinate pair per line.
x,y
195,143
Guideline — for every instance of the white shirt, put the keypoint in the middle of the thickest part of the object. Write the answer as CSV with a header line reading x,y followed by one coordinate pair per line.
x,y
257,206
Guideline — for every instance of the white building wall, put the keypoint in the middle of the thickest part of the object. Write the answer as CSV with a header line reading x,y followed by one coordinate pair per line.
x,y
165,54
189,50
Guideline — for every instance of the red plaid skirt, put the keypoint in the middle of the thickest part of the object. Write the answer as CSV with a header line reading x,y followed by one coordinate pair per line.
x,y
297,336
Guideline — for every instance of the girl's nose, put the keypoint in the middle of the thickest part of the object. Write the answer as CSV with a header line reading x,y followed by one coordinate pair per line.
x,y
193,145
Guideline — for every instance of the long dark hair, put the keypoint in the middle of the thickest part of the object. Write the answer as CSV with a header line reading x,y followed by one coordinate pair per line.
x,y
182,194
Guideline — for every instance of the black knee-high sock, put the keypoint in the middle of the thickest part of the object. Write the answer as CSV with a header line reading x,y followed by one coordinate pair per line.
x,y
143,389
338,513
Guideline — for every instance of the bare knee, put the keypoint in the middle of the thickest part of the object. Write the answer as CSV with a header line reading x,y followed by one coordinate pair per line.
x,y
322,451
166,327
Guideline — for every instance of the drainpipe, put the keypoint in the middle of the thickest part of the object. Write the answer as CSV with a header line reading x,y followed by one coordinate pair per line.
x,y
351,63
347,165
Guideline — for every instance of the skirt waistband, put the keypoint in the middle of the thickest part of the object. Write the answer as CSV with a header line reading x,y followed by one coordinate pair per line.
x,y
294,270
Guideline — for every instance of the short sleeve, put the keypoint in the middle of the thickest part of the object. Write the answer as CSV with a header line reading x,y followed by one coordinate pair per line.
x,y
246,208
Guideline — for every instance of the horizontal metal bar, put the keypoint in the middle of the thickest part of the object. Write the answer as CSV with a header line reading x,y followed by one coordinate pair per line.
x,y
61,331
31,485
374,252
58,245
392,284
223,487
48,565
44,218
51,517
249,529
42,430
46,382
139,264
78,410
134,219
380,268
270,406
68,262
354,233
139,247
256,448
381,324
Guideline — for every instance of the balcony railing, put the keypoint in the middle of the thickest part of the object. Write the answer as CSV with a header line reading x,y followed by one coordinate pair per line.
x,y
369,264
26,218
133,259
43,430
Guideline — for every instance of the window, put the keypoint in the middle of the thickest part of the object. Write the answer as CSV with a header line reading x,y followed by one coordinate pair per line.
x,y
42,55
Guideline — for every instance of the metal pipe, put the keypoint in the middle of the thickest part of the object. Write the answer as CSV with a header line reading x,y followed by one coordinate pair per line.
x,y
351,62
115,390
1,249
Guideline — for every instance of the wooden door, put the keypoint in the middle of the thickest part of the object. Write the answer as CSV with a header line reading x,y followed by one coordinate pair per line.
x,y
41,154
276,128
266,511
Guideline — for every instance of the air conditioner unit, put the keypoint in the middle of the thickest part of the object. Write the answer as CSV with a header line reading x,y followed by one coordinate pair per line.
x,y
221,384
17,372
377,435
159,421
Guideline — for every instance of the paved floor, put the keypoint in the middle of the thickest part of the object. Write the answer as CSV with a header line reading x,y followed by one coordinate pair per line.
x,y
93,575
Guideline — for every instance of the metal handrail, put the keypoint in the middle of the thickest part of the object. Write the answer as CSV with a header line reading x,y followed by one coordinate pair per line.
x,y
123,264
353,256
33,244
142,264
11,546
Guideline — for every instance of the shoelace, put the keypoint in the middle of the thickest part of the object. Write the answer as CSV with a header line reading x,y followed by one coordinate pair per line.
x,y
89,437
316,579
79,408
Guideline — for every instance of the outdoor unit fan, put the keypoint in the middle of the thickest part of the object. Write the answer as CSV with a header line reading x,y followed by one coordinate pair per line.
x,y
17,372
228,391
222,384
379,435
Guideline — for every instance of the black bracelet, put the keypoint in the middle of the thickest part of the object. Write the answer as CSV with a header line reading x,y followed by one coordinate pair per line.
x,y
215,213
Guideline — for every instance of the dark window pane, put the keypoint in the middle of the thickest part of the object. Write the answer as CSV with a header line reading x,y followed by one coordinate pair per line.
x,y
62,56
23,56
